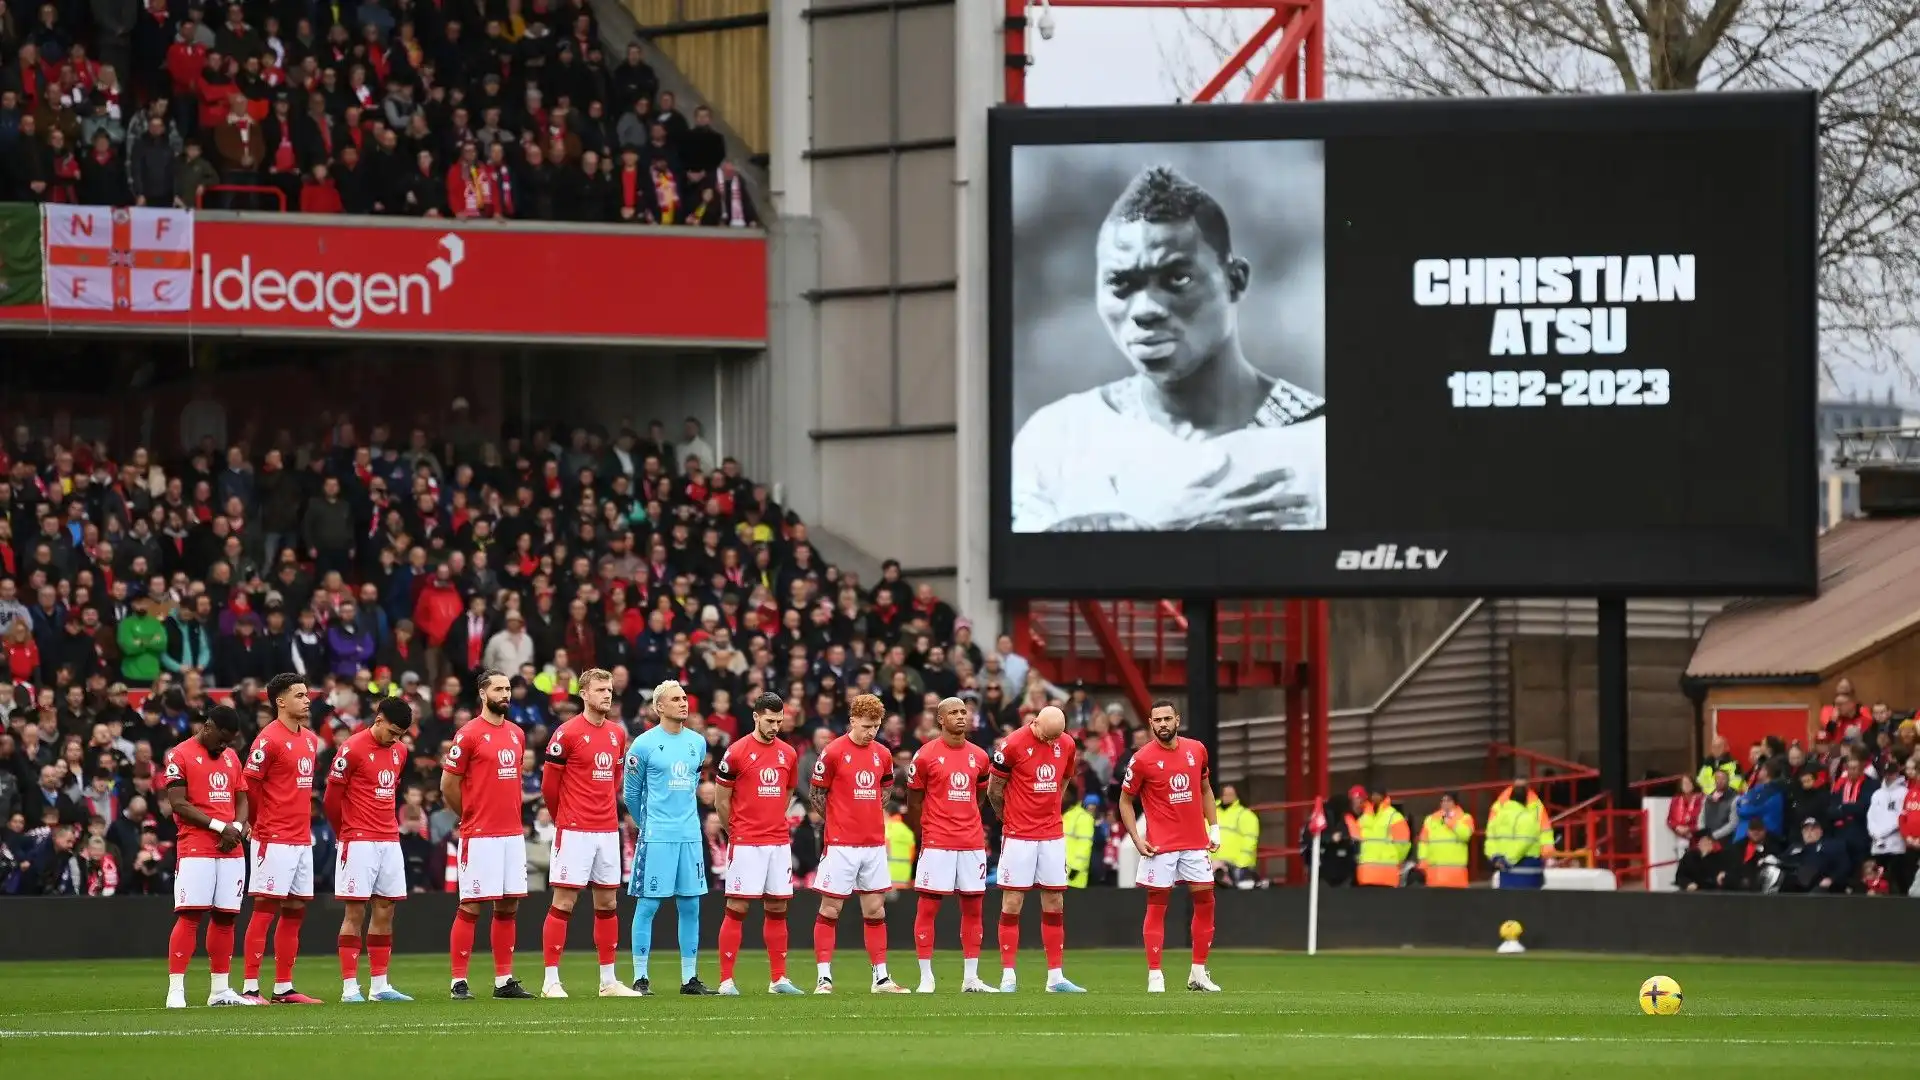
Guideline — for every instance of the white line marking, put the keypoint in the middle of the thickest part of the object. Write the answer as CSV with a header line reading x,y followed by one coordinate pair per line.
x,y
1276,1036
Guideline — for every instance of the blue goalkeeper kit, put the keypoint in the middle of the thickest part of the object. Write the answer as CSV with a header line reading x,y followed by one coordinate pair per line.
x,y
662,781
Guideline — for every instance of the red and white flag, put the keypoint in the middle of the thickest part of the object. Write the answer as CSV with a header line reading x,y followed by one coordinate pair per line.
x,y
102,258
1317,823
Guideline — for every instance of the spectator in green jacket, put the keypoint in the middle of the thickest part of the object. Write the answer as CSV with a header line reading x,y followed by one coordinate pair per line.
x,y
143,639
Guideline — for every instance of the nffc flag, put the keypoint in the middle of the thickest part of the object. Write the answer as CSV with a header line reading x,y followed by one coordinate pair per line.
x,y
1317,824
105,259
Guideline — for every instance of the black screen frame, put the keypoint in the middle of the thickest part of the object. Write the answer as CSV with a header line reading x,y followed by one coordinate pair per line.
x,y
1777,560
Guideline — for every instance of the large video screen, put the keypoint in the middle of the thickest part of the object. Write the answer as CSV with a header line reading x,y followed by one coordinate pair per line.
x,y
1498,347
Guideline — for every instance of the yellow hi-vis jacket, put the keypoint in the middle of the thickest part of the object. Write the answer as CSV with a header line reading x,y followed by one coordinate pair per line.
x,y
1239,836
1385,840
1517,831
1735,782
1446,842
1079,825
900,846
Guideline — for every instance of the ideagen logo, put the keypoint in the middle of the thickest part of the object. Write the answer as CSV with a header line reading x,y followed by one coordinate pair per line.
x,y
346,297
1391,557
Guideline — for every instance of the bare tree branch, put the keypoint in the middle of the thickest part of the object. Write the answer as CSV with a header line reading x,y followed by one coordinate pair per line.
x,y
1861,56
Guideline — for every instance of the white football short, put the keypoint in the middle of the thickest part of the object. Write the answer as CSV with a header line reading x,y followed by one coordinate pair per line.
x,y
942,872
581,859
200,883
1165,869
492,868
848,870
755,871
370,868
1027,864
282,871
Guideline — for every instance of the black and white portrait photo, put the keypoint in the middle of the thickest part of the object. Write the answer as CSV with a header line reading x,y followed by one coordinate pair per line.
x,y
1168,323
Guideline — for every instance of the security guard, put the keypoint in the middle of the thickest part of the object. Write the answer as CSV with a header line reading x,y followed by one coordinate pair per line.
x,y
1446,840
1239,839
1519,838
1385,840
1079,823
900,847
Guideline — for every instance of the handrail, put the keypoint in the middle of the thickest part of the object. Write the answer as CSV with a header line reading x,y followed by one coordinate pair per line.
x,y
200,200
1419,664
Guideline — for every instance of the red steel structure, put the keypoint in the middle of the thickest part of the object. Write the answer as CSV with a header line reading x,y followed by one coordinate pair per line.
x,y
1259,646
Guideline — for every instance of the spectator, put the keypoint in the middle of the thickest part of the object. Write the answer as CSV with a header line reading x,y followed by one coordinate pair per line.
x,y
150,167
194,175
1683,812
1764,803
1888,847
1719,816
328,528
1704,868
1819,864
142,641
1846,717
1852,795
103,175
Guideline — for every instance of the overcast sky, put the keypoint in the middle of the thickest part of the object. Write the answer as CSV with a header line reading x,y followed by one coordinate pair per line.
x,y
1102,56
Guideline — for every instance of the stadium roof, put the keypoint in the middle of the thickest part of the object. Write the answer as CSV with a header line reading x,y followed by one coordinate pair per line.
x,y
1869,595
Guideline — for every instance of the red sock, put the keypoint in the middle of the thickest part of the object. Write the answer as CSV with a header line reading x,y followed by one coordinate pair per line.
x,y
553,936
186,931
606,934
1053,936
923,917
1202,901
823,931
460,942
774,929
505,929
1154,930
286,943
729,942
220,943
349,956
265,910
876,935
1009,939
972,927
379,951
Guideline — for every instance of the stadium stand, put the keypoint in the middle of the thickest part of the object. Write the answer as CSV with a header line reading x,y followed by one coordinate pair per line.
x,y
136,592
426,110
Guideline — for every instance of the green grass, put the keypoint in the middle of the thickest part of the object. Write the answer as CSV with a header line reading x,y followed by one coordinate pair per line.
x,y
1350,1015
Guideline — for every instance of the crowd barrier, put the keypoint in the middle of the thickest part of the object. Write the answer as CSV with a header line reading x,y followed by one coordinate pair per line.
x,y
1658,924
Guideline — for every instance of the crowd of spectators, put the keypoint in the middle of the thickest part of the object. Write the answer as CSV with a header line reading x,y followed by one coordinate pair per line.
x,y
460,109
136,591
1839,815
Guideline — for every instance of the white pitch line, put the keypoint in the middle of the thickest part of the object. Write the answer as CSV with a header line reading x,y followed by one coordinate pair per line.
x,y
1275,1036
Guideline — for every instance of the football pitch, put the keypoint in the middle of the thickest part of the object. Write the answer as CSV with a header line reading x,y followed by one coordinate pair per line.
x,y
1345,1015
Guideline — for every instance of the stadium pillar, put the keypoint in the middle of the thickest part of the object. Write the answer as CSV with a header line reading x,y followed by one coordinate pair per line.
x,y
1610,656
1203,677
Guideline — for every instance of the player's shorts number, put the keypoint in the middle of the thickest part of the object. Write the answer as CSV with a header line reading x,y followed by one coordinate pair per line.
x,y
217,884
951,871
760,870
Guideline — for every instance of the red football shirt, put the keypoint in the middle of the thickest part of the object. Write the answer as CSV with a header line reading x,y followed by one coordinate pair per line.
x,y
280,783
1171,784
950,814
367,776
486,758
1037,773
210,784
856,779
760,775
589,760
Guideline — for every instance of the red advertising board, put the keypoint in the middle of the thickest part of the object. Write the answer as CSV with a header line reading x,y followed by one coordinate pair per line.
x,y
430,279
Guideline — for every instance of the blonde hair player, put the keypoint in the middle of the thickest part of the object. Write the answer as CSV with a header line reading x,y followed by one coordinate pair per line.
x,y
581,784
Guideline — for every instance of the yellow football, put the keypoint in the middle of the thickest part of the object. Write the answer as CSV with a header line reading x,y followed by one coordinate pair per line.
x,y
1660,996
1511,930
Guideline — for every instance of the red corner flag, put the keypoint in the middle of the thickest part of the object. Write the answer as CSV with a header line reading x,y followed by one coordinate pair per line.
x,y
1317,824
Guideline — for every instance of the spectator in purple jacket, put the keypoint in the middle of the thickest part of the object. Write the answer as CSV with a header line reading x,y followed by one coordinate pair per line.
x,y
350,642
